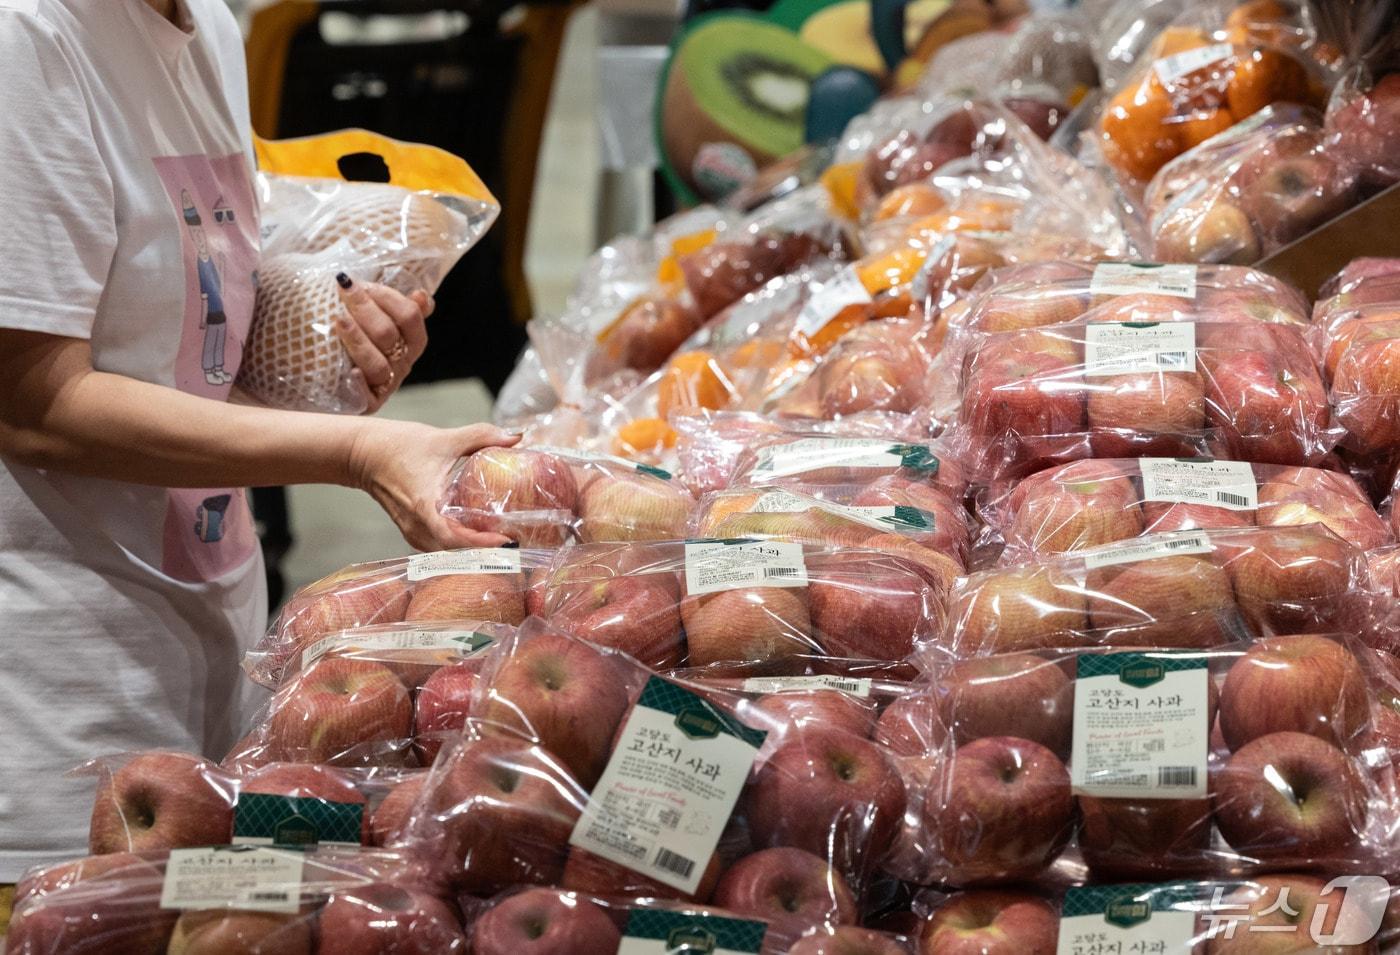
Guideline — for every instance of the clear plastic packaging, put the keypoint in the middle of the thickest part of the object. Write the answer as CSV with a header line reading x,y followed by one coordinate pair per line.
x,y
483,585
1090,503
1189,589
406,233
1248,191
546,496
1031,780
234,899
750,600
1120,384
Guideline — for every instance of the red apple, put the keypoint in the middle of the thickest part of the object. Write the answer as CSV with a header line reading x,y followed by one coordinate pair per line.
x,y
387,824
791,889
633,508
755,624
1298,496
1304,684
816,709
910,725
381,918
846,940
1124,839
1268,411
1366,389
342,601
482,597
1366,132
60,876
1006,810
443,704
991,923
1084,504
1019,608
594,875
220,932
498,482
340,710
1278,914
1291,580
1166,516
1014,694
636,613
1290,797
1023,393
1291,185
104,905
647,332
1214,231
867,608
502,812
1145,413
303,782
949,533
851,795
544,922
161,801
1181,600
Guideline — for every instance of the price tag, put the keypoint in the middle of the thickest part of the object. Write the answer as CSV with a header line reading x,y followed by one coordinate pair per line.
x,y
1158,919
670,786
1170,68
1126,278
1141,725
830,299
810,454
1148,547
663,932
1228,484
1132,348
465,642
855,686
244,877
482,560
715,566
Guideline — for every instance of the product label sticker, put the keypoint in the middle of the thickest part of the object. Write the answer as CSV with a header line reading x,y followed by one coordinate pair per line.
x,y
1123,919
577,455
1131,348
855,686
461,642
830,299
670,786
886,517
661,932
1170,68
1228,484
1147,547
480,560
244,877
266,819
715,566
810,454
1141,725
1125,278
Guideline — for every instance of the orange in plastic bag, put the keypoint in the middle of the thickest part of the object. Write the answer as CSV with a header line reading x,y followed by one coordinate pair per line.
x,y
692,380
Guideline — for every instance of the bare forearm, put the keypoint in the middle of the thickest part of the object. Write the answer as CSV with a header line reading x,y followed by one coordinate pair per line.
x,y
67,417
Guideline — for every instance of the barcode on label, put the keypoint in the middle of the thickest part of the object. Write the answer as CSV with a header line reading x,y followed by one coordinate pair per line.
x,y
670,818
1172,359
671,862
265,896
1225,497
1134,780
1184,542
1176,776
770,572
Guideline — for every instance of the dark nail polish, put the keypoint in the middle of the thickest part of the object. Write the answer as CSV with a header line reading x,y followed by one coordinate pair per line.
x,y
511,544
343,279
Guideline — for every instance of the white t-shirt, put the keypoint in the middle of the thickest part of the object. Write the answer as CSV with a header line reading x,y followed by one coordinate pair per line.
x,y
127,217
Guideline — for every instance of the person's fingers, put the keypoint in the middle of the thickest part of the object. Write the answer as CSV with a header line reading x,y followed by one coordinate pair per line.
x,y
366,355
426,302
474,437
408,318
378,325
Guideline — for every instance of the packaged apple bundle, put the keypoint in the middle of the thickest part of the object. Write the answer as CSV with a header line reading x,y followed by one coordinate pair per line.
x,y
1363,113
1152,764
1101,388
701,602
217,901
485,585
406,233
1214,66
545,496
1248,191
1278,912
1181,589
1085,504
1365,391
541,921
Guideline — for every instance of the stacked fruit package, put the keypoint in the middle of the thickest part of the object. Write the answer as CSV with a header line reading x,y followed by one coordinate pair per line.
x,y
669,789
217,901
1214,66
1249,190
1183,589
1089,503
544,497
1155,764
483,585
775,601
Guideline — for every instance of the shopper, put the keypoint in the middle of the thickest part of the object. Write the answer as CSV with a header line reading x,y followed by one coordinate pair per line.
x,y
130,581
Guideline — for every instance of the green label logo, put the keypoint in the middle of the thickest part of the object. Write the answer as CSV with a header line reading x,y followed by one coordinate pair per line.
x,y
1139,324
697,725
691,938
917,457
1126,911
1142,673
296,821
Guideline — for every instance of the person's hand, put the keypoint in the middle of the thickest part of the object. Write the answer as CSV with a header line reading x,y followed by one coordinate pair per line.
x,y
383,331
404,466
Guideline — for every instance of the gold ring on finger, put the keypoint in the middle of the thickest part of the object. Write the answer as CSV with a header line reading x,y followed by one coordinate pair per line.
x,y
399,351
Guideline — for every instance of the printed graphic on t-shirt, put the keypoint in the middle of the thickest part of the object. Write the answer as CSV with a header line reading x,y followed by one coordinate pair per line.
x,y
209,531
